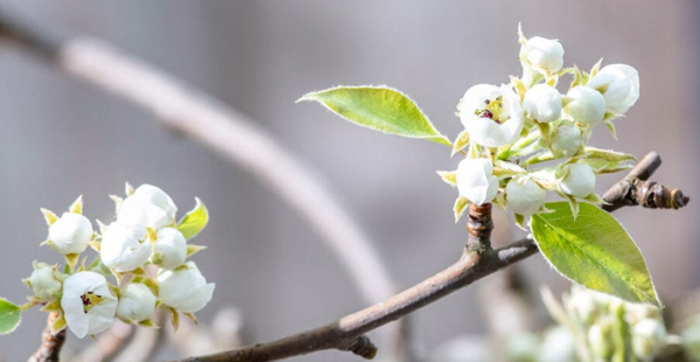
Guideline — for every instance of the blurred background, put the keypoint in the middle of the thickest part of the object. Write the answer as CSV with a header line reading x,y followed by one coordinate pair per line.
x,y
61,138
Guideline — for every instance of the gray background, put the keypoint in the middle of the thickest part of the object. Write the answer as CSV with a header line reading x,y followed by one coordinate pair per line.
x,y
61,138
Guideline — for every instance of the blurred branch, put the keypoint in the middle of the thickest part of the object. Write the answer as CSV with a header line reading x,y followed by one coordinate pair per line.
x,y
51,343
222,129
347,334
109,344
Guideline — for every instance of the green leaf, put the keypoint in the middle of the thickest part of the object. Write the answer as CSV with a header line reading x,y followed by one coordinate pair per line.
x,y
195,220
9,316
380,108
593,251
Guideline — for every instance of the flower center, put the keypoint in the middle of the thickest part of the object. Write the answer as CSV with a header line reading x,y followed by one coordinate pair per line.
x,y
90,299
493,110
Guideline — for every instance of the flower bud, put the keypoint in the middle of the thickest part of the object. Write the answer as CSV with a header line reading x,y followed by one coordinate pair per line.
x,y
583,304
542,103
600,337
648,337
70,234
184,288
148,206
491,115
565,141
136,303
546,55
586,106
619,84
124,247
475,180
169,249
87,303
43,282
524,196
580,180
558,345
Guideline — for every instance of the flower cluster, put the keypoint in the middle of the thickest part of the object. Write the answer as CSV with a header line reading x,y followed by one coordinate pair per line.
x,y
512,129
143,252
596,327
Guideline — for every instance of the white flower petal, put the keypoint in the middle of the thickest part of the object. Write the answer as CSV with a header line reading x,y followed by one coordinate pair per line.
x,y
524,196
475,180
544,54
185,290
100,316
170,248
483,127
586,106
124,247
542,103
579,182
622,86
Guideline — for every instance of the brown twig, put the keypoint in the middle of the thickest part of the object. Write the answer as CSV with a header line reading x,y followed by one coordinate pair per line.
x,y
478,260
636,189
222,129
51,343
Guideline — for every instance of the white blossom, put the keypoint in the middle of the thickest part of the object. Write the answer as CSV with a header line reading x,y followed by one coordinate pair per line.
x,y
475,180
619,84
542,103
546,55
579,181
492,115
169,249
184,288
148,206
43,282
87,303
136,303
648,337
566,141
70,234
524,196
124,247
586,106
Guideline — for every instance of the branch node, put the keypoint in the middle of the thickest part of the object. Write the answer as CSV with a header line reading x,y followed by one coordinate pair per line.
x,y
51,343
363,347
653,195
479,226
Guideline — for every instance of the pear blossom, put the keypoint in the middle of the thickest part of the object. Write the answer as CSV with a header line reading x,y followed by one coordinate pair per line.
x,y
586,106
136,303
546,55
475,180
565,141
542,103
619,84
492,115
169,249
43,282
87,303
184,288
148,206
70,234
579,181
648,337
124,247
524,196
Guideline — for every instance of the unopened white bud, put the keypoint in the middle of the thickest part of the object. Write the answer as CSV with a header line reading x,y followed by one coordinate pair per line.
x,y
565,141
70,234
44,283
546,55
124,247
524,196
149,206
542,103
169,249
579,181
648,337
475,180
184,288
136,303
586,106
619,84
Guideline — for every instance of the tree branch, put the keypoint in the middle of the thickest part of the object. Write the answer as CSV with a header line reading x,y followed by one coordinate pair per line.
x,y
51,343
222,129
477,261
